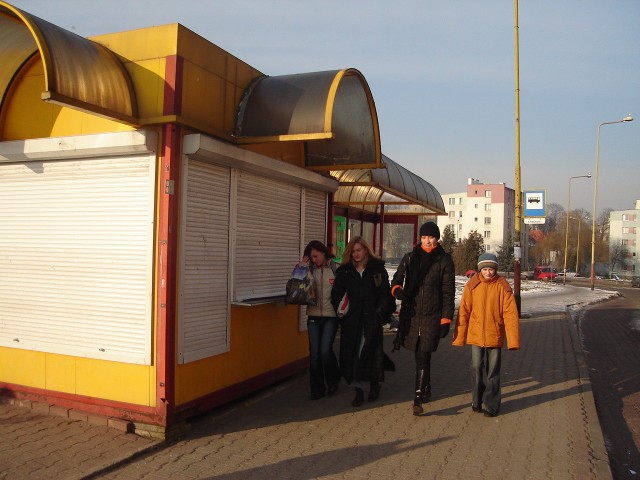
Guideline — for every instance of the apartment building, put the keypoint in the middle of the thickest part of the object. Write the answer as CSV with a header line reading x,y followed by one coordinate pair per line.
x,y
624,232
488,208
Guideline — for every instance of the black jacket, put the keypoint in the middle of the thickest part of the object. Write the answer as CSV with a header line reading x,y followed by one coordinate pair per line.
x,y
370,304
428,280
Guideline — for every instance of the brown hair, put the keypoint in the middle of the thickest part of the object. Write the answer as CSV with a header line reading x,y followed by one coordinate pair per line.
x,y
346,256
319,246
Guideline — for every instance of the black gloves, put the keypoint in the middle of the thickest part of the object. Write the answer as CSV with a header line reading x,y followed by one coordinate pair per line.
x,y
444,329
399,293
397,342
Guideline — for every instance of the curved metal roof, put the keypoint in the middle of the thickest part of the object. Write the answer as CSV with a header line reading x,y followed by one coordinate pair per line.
x,y
333,111
364,188
78,72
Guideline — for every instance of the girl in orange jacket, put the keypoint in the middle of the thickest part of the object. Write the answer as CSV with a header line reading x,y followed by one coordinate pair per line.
x,y
487,313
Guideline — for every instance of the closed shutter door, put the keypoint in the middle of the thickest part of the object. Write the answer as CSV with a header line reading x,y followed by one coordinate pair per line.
x,y
76,243
268,236
204,252
315,217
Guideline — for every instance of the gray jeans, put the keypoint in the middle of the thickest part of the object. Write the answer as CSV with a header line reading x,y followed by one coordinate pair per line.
x,y
485,376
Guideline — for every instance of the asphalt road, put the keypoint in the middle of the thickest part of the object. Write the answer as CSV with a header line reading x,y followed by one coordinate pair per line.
x,y
610,334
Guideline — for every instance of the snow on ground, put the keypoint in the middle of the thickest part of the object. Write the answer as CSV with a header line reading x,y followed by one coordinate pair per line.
x,y
545,297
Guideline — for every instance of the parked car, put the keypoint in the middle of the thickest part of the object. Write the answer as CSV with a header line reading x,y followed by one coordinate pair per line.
x,y
569,273
544,272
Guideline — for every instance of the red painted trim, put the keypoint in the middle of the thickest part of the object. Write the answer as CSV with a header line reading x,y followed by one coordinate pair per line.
x,y
97,406
330,227
166,272
173,85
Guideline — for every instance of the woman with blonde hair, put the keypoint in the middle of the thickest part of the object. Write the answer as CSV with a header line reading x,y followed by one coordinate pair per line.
x,y
363,277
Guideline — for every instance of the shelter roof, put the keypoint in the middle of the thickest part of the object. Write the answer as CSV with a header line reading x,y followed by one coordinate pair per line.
x,y
403,191
78,71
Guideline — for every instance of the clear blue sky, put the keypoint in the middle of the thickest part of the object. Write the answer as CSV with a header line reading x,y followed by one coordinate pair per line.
x,y
442,77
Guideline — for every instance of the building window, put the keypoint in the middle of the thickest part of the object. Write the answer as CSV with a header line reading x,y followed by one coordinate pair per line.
x,y
452,201
460,214
628,218
460,201
487,234
487,220
475,219
452,214
475,206
487,248
628,229
487,193
487,207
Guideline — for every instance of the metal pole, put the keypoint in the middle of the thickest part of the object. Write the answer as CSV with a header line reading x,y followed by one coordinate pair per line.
x,y
577,245
628,118
566,236
518,199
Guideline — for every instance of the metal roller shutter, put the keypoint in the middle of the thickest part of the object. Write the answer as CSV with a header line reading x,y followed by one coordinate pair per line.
x,y
268,235
204,258
76,244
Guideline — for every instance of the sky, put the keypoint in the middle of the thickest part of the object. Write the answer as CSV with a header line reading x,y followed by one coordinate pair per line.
x,y
442,76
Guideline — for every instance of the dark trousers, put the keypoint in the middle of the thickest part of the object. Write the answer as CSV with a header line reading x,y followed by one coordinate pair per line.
x,y
485,377
323,368
423,362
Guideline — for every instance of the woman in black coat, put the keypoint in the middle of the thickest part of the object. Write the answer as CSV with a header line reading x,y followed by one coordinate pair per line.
x,y
425,283
363,277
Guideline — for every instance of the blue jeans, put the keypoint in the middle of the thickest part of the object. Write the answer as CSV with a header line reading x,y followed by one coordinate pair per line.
x,y
323,368
485,376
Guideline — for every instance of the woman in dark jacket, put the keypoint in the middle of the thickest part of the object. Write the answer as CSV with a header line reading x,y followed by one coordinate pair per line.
x,y
425,283
363,277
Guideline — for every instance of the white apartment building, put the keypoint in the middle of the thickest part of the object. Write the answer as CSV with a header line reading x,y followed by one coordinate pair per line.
x,y
488,208
624,230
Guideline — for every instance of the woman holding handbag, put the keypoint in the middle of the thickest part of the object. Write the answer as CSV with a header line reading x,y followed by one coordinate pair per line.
x,y
364,279
322,324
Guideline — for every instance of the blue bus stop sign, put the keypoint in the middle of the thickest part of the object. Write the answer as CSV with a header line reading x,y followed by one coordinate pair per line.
x,y
535,203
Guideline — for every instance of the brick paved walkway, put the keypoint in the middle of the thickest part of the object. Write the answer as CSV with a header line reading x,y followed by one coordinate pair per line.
x,y
548,428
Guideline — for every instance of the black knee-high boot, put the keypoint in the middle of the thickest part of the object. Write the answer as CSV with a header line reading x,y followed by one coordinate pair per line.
x,y
421,382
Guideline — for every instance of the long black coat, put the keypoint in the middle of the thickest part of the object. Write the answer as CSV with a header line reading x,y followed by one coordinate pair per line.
x,y
370,304
426,301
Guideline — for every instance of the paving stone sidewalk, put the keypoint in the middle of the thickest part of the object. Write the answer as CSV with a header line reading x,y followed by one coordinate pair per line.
x,y
548,428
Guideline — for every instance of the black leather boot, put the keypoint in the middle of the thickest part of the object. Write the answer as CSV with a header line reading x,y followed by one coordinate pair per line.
x,y
418,399
359,398
374,391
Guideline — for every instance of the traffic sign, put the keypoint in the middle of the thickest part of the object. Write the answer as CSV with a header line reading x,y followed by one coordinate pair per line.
x,y
535,203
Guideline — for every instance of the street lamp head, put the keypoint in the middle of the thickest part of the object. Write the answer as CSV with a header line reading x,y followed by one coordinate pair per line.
x,y
628,118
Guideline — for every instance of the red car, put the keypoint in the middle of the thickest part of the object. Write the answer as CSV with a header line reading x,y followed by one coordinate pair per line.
x,y
544,272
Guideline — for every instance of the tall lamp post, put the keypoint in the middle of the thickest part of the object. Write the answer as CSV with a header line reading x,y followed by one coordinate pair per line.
x,y
566,235
628,118
577,243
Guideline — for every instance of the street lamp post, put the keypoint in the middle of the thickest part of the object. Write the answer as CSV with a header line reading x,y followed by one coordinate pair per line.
x,y
577,243
566,234
628,118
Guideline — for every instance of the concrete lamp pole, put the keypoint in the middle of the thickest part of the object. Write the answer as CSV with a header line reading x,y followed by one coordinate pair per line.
x,y
566,234
628,118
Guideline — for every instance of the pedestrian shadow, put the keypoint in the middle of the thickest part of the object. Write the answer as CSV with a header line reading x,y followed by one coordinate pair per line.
x,y
533,367
327,463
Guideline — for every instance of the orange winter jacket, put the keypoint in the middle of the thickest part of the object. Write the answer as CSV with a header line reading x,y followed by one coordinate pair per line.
x,y
487,313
